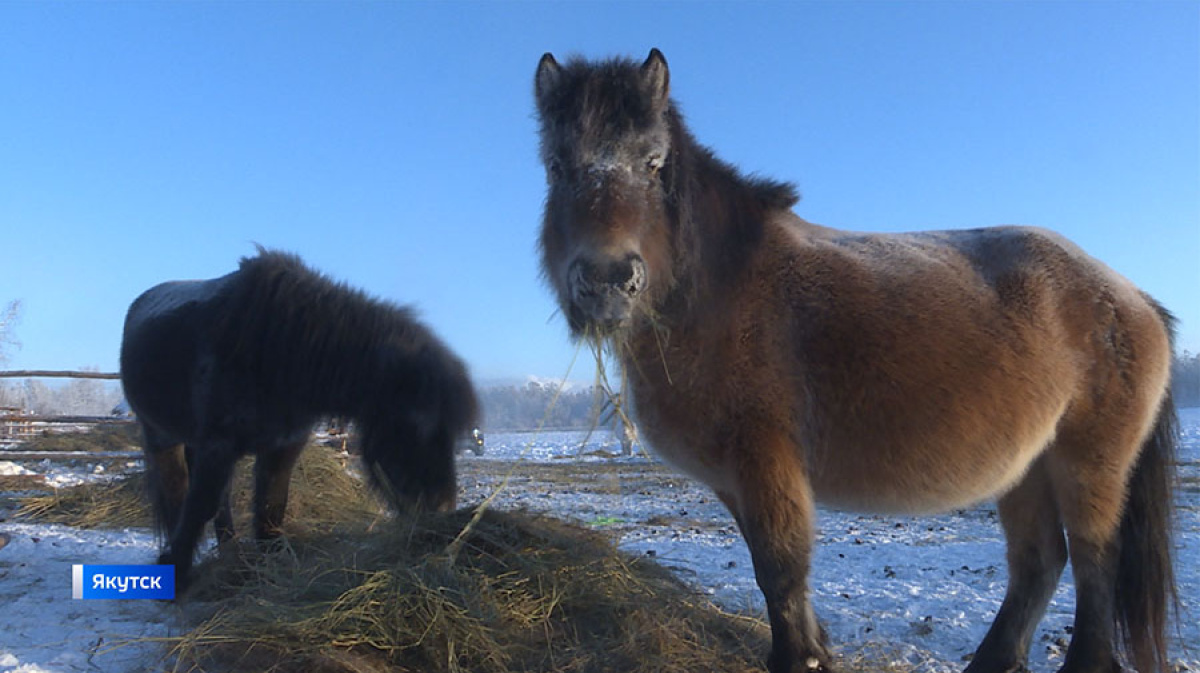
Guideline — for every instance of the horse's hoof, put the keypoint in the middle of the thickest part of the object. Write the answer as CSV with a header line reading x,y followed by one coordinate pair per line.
x,y
811,664
182,582
815,665
983,665
182,579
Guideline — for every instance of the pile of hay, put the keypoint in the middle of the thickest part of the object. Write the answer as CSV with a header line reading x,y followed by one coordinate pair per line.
x,y
524,593
322,495
119,503
349,591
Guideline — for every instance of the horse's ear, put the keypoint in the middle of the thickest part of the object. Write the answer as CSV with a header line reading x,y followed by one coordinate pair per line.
x,y
549,74
657,78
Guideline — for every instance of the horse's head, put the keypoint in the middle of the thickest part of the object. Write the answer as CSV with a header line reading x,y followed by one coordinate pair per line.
x,y
409,444
606,234
412,469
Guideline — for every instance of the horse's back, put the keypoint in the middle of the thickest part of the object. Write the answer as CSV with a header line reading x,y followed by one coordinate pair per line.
x,y
162,348
1007,288
934,367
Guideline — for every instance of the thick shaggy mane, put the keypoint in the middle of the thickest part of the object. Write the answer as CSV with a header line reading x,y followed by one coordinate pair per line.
x,y
279,304
719,213
318,339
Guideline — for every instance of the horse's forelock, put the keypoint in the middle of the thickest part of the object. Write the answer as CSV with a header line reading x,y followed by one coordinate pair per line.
x,y
600,101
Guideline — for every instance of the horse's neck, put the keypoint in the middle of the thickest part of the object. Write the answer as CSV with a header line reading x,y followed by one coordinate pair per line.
x,y
669,351
720,256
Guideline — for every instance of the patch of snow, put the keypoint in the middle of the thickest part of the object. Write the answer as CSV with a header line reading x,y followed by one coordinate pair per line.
x,y
46,630
59,475
11,469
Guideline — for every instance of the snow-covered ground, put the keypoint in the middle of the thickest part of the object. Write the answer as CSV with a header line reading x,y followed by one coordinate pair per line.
x,y
59,474
921,590
42,630
915,590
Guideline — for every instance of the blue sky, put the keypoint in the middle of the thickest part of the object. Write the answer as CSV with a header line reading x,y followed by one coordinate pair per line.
x,y
393,145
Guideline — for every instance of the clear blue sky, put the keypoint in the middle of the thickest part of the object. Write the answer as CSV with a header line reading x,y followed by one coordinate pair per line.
x,y
393,145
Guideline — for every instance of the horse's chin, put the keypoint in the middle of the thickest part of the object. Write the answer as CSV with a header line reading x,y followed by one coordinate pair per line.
x,y
601,331
599,321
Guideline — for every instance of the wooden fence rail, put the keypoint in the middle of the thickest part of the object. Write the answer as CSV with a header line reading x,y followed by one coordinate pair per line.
x,y
80,420
15,424
56,374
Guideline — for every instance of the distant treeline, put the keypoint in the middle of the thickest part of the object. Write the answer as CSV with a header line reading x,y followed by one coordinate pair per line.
x,y
74,397
1185,380
524,407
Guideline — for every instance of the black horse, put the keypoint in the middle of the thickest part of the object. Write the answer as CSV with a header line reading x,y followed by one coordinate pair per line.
x,y
249,362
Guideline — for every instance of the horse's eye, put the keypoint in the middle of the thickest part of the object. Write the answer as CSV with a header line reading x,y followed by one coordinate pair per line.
x,y
655,162
554,169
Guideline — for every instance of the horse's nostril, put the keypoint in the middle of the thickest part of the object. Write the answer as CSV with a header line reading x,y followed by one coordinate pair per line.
x,y
637,276
626,275
580,278
622,277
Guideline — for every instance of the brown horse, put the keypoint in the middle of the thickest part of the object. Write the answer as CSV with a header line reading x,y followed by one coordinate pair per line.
x,y
785,363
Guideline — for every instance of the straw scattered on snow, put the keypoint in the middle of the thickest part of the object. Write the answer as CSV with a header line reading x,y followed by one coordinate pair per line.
x,y
322,493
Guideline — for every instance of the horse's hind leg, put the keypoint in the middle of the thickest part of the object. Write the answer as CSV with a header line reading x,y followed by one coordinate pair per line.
x,y
209,476
1037,553
1090,478
272,477
223,522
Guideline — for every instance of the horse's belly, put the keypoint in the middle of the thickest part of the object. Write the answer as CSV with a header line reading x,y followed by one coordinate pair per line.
x,y
694,457
923,486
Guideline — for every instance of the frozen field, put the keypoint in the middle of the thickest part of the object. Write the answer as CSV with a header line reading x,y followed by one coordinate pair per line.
x,y
921,591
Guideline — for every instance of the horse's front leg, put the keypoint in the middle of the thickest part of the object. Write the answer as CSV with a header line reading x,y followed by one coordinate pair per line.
x,y
774,508
272,477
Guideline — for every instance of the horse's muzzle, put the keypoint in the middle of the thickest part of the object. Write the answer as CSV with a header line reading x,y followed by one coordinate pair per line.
x,y
603,292
442,502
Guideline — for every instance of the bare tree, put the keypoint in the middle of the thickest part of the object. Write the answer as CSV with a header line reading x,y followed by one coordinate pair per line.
x,y
8,320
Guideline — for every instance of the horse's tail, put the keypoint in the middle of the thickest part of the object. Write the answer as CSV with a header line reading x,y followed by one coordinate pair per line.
x,y
1146,591
166,483
163,524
